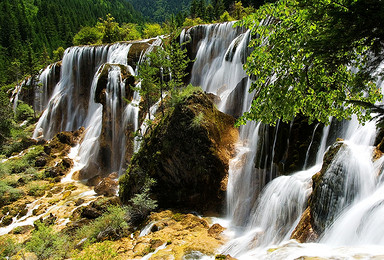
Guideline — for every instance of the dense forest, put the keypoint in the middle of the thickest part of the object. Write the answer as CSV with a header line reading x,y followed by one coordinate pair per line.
x,y
159,10
30,30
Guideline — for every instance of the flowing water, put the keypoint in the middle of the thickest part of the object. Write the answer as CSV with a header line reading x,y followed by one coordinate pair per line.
x,y
264,210
92,93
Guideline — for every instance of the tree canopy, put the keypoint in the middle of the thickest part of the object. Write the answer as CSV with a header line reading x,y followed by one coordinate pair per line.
x,y
314,57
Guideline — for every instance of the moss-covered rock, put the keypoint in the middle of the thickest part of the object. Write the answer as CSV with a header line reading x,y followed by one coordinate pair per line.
x,y
187,153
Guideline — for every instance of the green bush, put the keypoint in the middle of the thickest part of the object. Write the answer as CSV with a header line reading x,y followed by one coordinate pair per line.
x,y
9,194
15,194
23,112
141,203
8,247
36,189
152,30
98,251
4,169
179,95
88,35
33,153
33,173
197,121
18,165
46,243
115,219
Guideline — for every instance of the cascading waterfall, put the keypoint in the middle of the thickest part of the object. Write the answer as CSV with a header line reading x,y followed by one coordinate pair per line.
x,y
91,93
262,218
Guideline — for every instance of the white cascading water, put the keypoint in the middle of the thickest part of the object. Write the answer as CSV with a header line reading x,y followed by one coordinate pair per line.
x,y
73,104
262,219
42,88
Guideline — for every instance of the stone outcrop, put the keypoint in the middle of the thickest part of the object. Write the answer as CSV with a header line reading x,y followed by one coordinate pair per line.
x,y
327,198
304,231
187,154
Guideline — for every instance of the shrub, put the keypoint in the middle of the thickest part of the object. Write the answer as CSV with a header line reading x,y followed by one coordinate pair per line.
x,y
37,189
8,247
152,30
33,173
197,121
17,165
87,35
33,153
46,243
15,194
192,22
4,169
98,251
23,112
179,95
225,17
58,53
9,194
111,225
141,203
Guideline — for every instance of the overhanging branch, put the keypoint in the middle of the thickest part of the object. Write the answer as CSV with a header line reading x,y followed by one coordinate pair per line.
x,y
374,108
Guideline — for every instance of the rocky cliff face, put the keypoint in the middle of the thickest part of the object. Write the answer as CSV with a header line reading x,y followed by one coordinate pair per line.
x,y
187,153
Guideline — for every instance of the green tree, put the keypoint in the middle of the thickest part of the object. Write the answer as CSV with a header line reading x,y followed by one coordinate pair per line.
x,y
87,36
237,10
192,22
160,63
110,29
148,88
5,117
130,31
164,70
178,63
152,30
225,17
58,54
300,69
48,244
218,5
210,13
193,10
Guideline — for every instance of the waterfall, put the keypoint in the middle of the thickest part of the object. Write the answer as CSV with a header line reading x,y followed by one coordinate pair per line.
x,y
264,208
94,86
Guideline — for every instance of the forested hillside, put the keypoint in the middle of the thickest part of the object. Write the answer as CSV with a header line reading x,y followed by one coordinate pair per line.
x,y
30,30
159,10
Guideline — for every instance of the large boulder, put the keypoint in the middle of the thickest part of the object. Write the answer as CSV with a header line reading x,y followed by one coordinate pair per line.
x,y
329,195
187,153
